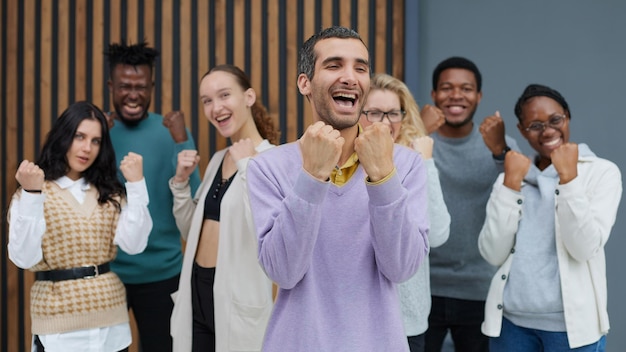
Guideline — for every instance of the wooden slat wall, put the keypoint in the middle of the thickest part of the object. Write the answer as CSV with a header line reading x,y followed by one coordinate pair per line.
x,y
51,55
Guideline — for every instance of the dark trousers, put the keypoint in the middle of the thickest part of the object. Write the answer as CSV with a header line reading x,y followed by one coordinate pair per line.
x,y
202,280
417,343
462,318
152,307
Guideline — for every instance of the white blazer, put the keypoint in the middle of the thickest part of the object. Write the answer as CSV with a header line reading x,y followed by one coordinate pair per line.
x,y
585,210
242,292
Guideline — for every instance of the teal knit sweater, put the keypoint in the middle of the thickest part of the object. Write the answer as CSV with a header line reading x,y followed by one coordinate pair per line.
x,y
162,258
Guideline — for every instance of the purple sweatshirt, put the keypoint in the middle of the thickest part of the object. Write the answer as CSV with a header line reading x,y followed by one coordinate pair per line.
x,y
337,252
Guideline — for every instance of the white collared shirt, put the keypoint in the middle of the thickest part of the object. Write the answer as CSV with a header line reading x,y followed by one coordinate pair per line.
x,y
26,229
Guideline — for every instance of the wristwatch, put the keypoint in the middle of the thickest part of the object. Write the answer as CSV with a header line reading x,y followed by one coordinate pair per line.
x,y
503,154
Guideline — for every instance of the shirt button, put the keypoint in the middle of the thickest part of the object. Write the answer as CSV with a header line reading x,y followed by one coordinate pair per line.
x,y
519,201
503,277
512,250
556,192
499,306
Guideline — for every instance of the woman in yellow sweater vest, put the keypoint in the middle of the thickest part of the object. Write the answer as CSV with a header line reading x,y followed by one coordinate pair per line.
x,y
65,222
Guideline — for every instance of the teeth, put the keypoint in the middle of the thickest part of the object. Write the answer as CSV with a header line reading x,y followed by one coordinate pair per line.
x,y
455,109
552,142
345,95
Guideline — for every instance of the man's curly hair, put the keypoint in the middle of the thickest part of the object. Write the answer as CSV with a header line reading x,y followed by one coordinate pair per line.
x,y
134,55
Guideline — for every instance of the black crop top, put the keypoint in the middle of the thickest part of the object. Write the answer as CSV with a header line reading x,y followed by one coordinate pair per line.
x,y
214,197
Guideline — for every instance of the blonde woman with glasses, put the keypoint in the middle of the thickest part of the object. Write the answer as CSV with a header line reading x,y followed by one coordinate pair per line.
x,y
391,102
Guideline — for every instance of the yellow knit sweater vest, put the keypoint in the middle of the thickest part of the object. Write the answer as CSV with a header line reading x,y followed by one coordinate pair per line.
x,y
77,235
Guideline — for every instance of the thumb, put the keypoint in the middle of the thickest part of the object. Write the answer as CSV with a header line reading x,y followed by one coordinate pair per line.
x,y
497,113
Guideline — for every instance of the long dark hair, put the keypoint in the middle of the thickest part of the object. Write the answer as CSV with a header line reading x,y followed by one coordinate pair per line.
x,y
53,157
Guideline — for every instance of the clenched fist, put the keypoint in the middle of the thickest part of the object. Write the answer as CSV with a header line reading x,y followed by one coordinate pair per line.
x,y
242,149
187,161
321,147
492,130
30,176
375,150
565,161
516,167
432,117
175,122
424,145
132,167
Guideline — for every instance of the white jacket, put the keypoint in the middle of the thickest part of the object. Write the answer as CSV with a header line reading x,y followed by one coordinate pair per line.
x,y
585,210
242,292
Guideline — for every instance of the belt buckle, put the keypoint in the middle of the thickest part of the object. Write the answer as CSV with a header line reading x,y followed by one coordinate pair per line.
x,y
95,270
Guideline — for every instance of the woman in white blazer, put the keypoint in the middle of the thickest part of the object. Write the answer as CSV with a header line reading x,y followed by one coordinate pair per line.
x,y
547,223
224,298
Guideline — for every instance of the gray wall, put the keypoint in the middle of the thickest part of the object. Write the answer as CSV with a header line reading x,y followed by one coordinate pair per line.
x,y
577,47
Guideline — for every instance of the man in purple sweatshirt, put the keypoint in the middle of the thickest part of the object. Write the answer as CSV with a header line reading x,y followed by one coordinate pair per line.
x,y
340,214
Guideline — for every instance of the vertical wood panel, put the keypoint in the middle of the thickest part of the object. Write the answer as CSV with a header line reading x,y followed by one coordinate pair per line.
x,y
203,66
11,106
345,14
45,83
3,192
273,59
115,33
256,39
287,25
220,32
132,25
28,104
63,57
80,47
381,42
166,56
148,32
291,130
186,98
239,35
309,30
115,22
398,39
363,23
327,14
29,121
220,54
98,79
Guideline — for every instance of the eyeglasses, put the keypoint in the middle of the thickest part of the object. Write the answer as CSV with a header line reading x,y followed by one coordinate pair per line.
x,y
394,116
555,122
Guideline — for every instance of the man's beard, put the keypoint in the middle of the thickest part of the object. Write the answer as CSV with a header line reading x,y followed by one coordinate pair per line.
x,y
462,123
339,124
129,122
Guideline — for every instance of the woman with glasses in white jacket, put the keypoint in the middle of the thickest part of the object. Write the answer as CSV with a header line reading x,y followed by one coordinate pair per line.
x,y
548,220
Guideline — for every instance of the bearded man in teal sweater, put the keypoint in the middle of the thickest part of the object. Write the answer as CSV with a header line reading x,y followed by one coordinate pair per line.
x,y
151,277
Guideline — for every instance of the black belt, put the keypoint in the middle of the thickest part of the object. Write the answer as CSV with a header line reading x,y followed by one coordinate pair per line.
x,y
83,272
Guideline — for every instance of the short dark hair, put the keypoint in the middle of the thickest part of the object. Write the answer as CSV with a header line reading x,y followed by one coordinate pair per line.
x,y
306,62
457,62
538,90
53,157
134,55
